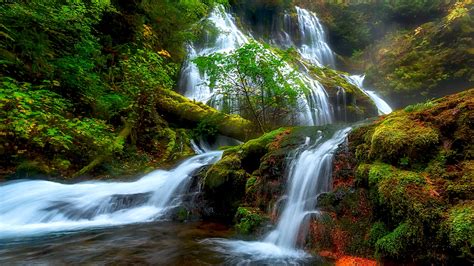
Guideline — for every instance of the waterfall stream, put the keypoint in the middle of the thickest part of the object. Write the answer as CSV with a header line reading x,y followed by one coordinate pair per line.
x,y
314,46
382,106
38,207
310,170
315,106
310,173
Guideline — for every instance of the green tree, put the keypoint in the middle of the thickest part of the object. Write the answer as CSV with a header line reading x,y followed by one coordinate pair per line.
x,y
255,83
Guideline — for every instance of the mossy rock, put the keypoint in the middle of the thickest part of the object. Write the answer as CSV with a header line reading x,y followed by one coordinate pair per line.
x,y
460,227
248,220
395,244
399,137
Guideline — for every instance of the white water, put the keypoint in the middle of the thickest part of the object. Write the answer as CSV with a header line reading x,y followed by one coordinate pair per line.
x,y
38,207
310,175
229,37
315,107
358,81
313,45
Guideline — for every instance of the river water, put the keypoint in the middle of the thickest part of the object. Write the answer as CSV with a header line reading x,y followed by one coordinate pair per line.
x,y
157,243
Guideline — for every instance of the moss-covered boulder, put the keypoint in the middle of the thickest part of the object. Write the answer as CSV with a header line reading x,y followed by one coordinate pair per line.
x,y
226,181
248,220
397,138
253,174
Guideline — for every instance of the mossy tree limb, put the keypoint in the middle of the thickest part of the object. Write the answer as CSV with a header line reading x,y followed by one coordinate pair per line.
x,y
187,111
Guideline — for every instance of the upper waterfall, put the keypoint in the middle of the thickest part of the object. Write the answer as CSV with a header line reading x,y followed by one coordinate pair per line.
x,y
229,37
313,45
315,106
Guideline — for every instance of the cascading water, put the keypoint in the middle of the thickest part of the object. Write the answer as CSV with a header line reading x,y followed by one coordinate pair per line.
x,y
358,81
37,207
315,107
313,45
227,38
310,173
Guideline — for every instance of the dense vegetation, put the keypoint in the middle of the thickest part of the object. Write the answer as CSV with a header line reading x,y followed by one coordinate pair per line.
x,y
406,180
81,79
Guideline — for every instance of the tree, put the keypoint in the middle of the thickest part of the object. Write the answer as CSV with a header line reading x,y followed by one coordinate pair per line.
x,y
255,83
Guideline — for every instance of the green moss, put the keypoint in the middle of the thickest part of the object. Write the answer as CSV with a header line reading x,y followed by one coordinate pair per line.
x,y
182,214
462,188
379,172
227,168
259,144
61,163
398,136
419,107
417,63
248,220
396,243
250,183
377,231
461,228
362,174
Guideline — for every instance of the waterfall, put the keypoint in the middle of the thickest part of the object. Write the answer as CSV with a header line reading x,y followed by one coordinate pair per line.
x,y
313,45
315,106
310,171
310,175
341,104
358,81
38,207
229,37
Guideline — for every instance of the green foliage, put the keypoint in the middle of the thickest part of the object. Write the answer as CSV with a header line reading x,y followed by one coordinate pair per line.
x,y
75,50
177,21
205,129
403,10
355,25
425,190
419,107
254,82
35,118
377,231
142,75
421,61
248,220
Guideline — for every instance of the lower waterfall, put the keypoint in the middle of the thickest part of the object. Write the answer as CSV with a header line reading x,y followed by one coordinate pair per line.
x,y
309,176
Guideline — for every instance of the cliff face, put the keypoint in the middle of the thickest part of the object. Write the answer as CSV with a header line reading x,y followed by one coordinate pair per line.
x,y
431,60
